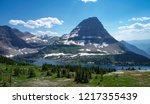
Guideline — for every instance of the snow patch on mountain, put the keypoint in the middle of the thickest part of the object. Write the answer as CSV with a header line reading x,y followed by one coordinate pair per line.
x,y
35,39
73,55
23,51
101,46
71,42
55,54
9,56
73,35
87,50
90,37
90,54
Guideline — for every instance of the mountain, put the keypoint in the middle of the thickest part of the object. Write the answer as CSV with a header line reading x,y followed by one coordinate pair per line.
x,y
12,44
89,41
48,39
90,30
10,38
134,49
142,44
7,60
35,40
92,37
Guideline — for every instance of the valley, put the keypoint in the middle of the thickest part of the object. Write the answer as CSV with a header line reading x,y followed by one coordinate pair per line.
x,y
86,57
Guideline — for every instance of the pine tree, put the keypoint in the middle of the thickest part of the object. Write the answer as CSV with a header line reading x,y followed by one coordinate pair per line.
x,y
45,67
17,71
58,74
82,75
49,73
31,73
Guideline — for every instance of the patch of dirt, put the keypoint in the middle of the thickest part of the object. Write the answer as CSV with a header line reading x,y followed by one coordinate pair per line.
x,y
136,74
115,73
46,83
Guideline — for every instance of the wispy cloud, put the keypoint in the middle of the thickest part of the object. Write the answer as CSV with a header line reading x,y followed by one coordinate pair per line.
x,y
135,26
48,22
139,19
135,31
86,1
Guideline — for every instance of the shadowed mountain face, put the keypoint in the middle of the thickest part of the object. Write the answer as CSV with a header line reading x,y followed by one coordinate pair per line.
x,y
89,41
141,44
12,44
134,49
8,37
90,30
91,35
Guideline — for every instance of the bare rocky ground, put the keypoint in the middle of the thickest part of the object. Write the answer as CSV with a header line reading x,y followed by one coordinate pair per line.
x,y
44,82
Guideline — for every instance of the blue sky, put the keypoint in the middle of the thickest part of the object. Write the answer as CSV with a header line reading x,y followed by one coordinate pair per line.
x,y
124,19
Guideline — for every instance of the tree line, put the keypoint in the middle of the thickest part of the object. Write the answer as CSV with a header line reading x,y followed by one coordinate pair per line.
x,y
79,73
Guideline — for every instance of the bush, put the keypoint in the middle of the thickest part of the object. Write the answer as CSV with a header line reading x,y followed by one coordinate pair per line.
x,y
58,74
31,73
82,75
49,73
45,67
17,71
6,82
1,71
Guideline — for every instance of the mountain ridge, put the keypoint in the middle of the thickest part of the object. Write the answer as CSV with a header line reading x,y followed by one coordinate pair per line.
x,y
91,35
134,49
141,44
87,42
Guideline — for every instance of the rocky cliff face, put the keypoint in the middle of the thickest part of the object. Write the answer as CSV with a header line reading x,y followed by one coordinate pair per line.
x,y
12,44
91,35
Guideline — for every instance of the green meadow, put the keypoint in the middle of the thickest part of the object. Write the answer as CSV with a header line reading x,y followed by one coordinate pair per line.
x,y
68,76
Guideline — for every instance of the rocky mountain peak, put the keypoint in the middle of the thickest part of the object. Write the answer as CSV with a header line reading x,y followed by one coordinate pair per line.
x,y
90,31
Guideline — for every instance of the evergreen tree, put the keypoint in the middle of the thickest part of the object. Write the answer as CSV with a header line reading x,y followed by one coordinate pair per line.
x,y
58,74
17,71
31,73
49,73
82,75
45,67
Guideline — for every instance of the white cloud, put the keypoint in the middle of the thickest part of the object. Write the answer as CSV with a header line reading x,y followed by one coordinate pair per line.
x,y
136,31
139,19
42,22
86,1
16,22
135,26
49,33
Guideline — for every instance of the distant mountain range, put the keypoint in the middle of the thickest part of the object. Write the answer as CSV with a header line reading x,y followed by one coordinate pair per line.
x,y
14,42
134,49
89,41
10,43
142,44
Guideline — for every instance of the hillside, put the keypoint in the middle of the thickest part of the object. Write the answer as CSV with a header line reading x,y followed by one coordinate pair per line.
x,y
89,41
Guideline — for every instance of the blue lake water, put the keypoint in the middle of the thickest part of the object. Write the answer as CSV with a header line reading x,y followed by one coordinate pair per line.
x,y
41,61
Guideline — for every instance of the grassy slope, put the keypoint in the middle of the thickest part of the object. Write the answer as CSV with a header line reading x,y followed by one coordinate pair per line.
x,y
127,79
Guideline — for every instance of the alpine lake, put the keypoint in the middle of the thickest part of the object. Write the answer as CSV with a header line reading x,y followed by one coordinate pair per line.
x,y
41,61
